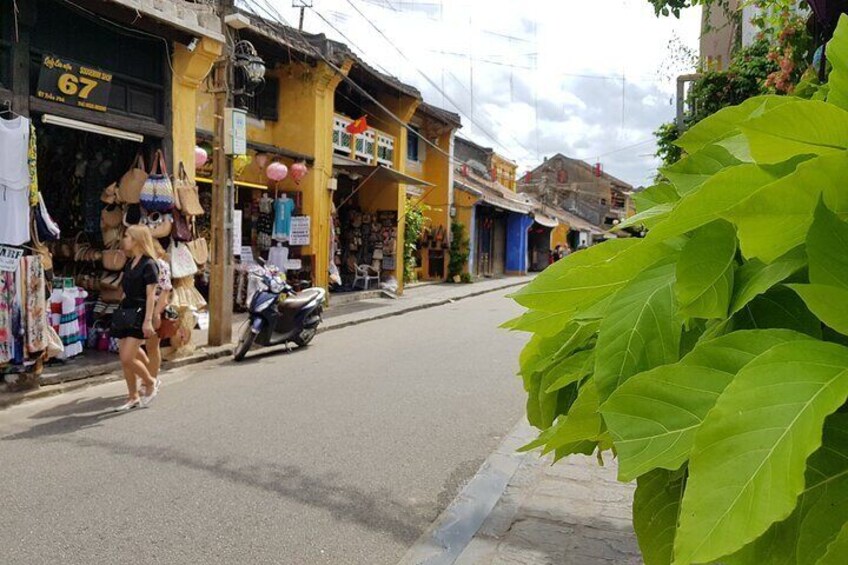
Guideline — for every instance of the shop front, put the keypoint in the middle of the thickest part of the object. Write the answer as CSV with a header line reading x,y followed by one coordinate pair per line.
x,y
490,240
89,117
539,243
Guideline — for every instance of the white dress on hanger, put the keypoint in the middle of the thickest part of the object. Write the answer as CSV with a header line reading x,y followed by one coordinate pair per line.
x,y
14,181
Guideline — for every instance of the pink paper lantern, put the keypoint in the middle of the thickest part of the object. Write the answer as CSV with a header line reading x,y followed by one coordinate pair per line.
x,y
299,171
277,171
261,160
200,157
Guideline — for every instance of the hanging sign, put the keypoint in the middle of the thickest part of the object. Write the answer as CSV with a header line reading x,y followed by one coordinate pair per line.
x,y
299,234
68,82
237,219
10,258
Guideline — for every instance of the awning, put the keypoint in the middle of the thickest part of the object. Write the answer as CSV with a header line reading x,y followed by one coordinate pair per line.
x,y
378,172
263,148
545,220
238,183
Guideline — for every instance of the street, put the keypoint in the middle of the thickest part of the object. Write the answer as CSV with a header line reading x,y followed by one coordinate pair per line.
x,y
341,453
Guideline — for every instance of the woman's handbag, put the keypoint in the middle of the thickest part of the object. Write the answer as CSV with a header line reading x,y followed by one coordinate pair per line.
x,y
169,323
125,319
160,225
182,229
157,195
131,184
111,295
182,261
188,198
111,217
114,259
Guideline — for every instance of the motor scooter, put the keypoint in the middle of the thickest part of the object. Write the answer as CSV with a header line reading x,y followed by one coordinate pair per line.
x,y
275,321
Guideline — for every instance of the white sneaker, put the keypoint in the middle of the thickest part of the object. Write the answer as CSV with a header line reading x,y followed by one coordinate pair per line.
x,y
128,405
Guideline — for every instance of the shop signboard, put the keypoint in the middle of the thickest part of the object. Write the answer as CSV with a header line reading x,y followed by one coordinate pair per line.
x,y
299,230
9,258
75,84
237,218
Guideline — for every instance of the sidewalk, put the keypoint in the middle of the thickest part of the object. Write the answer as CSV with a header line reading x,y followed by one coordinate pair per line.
x,y
101,367
571,513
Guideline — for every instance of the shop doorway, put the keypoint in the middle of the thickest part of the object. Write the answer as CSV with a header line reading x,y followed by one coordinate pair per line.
x,y
491,241
539,247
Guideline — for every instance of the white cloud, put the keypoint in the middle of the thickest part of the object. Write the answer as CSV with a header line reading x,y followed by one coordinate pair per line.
x,y
527,62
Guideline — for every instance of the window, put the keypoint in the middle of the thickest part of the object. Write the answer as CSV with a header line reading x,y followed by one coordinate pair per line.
x,y
412,141
264,104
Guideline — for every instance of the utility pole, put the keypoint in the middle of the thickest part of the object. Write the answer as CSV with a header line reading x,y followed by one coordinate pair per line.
x,y
223,199
303,5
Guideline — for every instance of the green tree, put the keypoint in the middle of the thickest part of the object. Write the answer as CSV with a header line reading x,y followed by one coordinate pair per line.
x,y
459,250
415,221
711,355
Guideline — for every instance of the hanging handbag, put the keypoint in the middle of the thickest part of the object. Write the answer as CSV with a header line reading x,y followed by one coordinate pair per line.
x,y
198,247
55,347
157,195
169,323
188,198
111,280
182,261
131,184
160,225
111,295
112,237
40,249
111,217
114,259
182,229
110,194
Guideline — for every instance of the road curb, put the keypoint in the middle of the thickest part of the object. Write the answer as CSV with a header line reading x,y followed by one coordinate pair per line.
x,y
212,353
455,528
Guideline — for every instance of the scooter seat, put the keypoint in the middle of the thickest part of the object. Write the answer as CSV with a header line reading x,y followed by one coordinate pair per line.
x,y
301,299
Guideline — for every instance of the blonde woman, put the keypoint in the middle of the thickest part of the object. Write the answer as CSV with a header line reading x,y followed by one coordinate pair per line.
x,y
151,355
132,323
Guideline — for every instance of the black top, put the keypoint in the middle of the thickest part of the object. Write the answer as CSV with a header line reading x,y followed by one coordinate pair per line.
x,y
136,280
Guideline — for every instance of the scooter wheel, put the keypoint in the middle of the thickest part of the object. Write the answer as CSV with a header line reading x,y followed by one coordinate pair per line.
x,y
244,344
305,336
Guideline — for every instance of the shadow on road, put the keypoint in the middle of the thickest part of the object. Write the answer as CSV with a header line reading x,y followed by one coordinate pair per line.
x,y
375,511
70,417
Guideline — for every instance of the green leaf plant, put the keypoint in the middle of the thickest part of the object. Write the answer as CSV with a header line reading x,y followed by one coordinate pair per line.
x,y
709,357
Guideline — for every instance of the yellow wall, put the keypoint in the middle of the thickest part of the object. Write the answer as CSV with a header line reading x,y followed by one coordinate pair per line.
x,y
559,236
464,203
436,170
505,170
190,70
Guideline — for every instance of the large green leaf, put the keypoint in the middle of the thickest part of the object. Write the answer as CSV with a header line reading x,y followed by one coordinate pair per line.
x,y
692,171
573,369
640,330
755,277
837,552
716,196
829,303
780,307
656,504
649,218
582,423
705,272
821,509
661,193
827,241
653,417
800,127
726,121
583,286
748,461
837,54
774,219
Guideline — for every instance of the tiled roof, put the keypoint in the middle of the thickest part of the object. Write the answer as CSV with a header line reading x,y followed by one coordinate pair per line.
x,y
441,114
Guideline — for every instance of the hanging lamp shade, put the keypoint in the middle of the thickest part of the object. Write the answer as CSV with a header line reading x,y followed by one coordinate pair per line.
x,y
200,156
276,171
299,171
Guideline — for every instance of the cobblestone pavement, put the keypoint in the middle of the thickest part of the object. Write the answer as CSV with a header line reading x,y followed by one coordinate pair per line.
x,y
571,513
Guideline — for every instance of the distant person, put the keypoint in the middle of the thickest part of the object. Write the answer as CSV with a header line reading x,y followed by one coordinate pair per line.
x,y
566,251
556,254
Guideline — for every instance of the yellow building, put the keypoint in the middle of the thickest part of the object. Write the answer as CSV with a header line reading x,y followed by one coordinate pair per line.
x,y
309,113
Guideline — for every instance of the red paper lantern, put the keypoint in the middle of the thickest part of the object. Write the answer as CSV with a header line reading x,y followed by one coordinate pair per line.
x,y
298,171
200,156
277,171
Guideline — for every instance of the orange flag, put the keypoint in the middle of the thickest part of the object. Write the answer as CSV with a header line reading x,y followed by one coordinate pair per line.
x,y
357,126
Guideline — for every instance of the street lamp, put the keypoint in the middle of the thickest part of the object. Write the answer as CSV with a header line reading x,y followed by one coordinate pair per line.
x,y
250,68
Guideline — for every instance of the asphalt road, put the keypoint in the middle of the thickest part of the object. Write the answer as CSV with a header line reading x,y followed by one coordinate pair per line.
x,y
341,453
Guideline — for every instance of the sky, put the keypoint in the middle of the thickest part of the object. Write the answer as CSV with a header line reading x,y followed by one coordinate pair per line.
x,y
591,79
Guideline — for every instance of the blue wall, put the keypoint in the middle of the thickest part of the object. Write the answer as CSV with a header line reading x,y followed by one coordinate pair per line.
x,y
516,242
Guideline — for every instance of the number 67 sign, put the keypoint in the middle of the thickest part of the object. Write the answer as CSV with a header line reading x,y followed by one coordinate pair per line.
x,y
75,84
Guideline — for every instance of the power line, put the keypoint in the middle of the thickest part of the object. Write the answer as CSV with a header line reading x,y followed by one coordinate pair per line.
x,y
433,83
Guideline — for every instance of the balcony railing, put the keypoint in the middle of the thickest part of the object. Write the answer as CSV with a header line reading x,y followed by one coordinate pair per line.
x,y
371,146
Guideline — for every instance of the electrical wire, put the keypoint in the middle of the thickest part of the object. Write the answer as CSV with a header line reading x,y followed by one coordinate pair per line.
x,y
433,84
